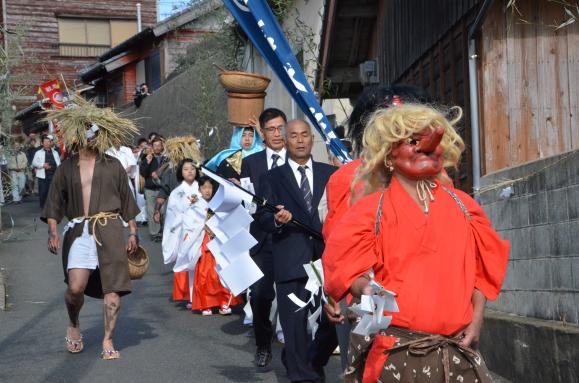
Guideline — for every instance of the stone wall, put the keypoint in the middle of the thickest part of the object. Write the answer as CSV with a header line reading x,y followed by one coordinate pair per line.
x,y
541,219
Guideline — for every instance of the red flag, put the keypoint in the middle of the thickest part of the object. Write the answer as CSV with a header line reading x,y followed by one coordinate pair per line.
x,y
51,90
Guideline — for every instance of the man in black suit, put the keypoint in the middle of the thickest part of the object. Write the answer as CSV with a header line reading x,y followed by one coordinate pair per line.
x,y
296,188
272,122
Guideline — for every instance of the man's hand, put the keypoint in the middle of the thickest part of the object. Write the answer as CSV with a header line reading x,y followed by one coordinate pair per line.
x,y
155,176
334,312
53,242
193,198
149,158
471,334
361,287
46,166
132,244
157,216
283,216
235,181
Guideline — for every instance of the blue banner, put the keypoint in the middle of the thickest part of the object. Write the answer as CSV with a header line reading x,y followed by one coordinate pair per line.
x,y
259,23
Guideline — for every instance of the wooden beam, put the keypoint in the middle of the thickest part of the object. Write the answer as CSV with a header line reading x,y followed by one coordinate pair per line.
x,y
125,59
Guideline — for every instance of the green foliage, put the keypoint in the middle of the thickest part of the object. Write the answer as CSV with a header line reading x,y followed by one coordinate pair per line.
x,y
281,8
11,55
221,49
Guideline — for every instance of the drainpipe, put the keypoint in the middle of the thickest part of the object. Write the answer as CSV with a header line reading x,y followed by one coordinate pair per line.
x,y
139,25
474,101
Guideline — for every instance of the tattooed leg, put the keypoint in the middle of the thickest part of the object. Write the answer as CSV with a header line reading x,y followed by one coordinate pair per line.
x,y
112,305
74,299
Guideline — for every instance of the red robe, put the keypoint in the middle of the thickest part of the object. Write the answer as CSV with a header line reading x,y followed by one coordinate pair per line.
x,y
433,262
338,194
208,292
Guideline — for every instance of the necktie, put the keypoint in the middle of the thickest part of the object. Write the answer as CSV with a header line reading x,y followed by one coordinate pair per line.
x,y
305,188
274,158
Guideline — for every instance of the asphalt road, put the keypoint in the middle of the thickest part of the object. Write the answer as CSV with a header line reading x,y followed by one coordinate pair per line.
x,y
159,341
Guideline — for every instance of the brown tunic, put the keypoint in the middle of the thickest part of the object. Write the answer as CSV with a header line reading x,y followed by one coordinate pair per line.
x,y
110,193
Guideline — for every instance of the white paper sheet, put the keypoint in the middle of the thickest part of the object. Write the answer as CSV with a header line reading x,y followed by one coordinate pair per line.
x,y
238,219
214,246
247,185
228,196
241,273
371,310
239,244
214,225
301,304
313,321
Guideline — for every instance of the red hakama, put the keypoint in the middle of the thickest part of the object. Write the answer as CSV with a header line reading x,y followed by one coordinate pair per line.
x,y
181,286
208,292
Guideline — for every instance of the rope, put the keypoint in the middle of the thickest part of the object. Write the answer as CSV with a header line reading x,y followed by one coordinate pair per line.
x,y
424,191
102,219
511,182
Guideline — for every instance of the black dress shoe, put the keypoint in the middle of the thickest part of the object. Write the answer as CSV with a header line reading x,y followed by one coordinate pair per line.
x,y
262,357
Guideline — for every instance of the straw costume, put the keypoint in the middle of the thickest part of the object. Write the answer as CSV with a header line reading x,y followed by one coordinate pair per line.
x,y
111,200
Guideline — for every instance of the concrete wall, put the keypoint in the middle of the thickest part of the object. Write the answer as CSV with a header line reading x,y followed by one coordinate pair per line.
x,y
533,334
541,220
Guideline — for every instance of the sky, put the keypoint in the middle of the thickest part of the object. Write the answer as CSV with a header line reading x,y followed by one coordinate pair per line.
x,y
168,7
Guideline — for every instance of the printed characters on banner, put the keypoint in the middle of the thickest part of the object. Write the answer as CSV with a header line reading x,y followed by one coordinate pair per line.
x,y
51,90
259,23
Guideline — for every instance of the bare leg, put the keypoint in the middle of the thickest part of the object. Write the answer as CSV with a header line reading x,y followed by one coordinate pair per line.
x,y
74,299
112,305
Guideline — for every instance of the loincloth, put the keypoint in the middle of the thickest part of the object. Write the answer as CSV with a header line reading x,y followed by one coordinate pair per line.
x,y
83,251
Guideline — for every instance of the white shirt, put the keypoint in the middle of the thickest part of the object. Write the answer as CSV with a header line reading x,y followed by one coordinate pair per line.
x,y
309,172
39,159
124,155
280,161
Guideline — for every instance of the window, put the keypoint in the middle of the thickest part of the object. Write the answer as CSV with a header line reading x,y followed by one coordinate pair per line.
x,y
92,37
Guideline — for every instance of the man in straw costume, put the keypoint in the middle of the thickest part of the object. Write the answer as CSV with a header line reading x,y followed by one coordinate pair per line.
x,y
91,190
427,242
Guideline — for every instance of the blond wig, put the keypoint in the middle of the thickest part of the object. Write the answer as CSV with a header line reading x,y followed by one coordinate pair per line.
x,y
389,126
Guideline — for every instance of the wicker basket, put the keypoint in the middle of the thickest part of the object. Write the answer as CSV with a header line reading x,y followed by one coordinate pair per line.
x,y
138,263
242,106
243,82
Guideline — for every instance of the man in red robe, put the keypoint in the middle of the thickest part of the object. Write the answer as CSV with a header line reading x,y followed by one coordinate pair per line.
x,y
422,239
338,196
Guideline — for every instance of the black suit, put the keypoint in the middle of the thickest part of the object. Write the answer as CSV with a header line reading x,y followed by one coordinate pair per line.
x,y
262,292
292,247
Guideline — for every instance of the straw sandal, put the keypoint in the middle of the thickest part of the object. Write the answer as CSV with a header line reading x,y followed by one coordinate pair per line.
x,y
110,355
74,346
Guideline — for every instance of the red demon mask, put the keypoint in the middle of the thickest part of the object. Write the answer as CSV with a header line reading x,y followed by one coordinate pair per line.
x,y
419,156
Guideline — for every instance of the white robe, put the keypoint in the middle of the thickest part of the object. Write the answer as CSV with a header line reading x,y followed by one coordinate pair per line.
x,y
184,228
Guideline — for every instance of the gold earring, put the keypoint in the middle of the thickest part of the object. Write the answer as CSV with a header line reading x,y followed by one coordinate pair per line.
x,y
389,166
